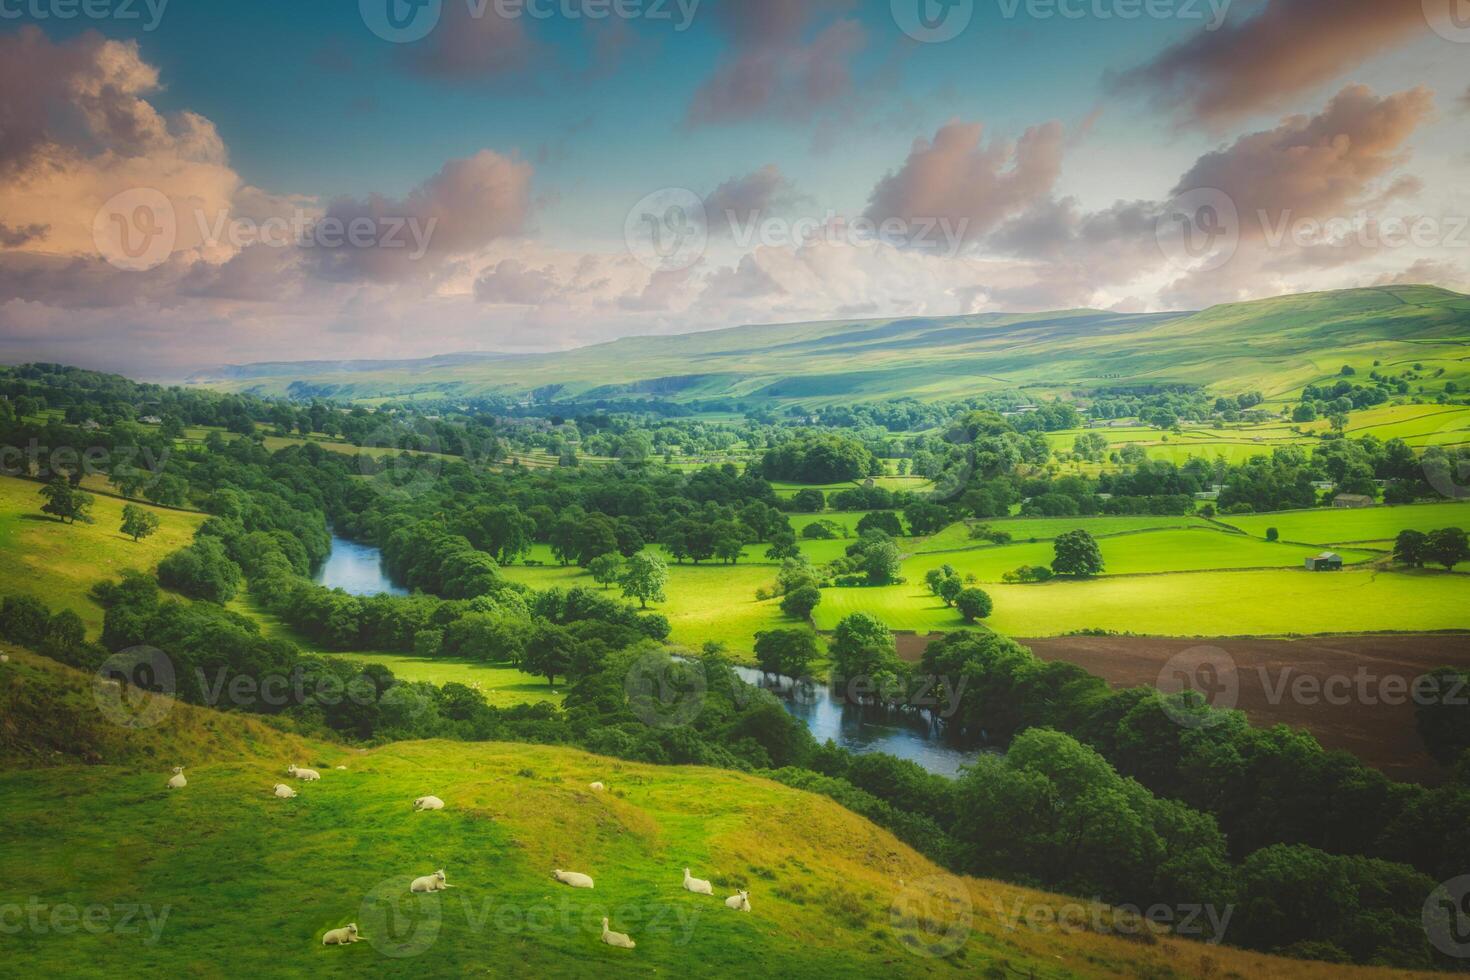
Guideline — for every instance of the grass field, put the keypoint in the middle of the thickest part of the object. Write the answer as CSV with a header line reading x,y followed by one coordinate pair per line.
x,y
956,537
1253,603
221,879
1369,524
58,562
501,684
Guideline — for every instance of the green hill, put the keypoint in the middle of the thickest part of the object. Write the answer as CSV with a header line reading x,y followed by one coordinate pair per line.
x,y
107,866
1275,345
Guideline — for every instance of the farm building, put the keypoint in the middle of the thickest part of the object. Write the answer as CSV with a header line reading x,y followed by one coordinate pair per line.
x,y
1327,561
1352,500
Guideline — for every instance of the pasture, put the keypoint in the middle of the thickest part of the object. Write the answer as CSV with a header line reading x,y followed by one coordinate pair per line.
x,y
502,684
1375,524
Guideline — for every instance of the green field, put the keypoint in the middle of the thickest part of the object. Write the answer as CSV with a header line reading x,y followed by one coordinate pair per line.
x,y
956,537
502,684
1369,524
1264,603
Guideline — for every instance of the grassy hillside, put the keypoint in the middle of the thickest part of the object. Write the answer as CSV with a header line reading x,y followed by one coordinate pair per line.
x,y
222,879
1275,345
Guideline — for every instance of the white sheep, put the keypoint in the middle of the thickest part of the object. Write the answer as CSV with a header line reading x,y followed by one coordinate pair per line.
x,y
596,787
341,937
739,902
4,658
621,940
178,781
697,885
428,803
284,792
430,883
308,775
574,878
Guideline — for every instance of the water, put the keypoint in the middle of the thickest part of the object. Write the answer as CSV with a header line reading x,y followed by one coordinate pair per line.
x,y
356,569
865,729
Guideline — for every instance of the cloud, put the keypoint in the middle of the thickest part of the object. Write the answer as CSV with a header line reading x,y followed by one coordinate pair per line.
x,y
749,198
512,281
772,69
1285,48
14,237
972,185
468,48
1431,272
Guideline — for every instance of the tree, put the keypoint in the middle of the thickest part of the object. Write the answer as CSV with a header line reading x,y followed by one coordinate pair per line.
x,y
881,562
800,603
65,502
549,652
809,501
606,569
1411,548
974,604
950,589
1273,534
1077,554
645,579
138,523
881,520
788,651
1447,547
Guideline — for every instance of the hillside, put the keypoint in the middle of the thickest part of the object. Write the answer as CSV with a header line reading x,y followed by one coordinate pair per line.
x,y
223,879
1275,345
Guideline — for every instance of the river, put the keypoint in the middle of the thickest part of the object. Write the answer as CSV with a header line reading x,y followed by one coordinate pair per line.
x,y
358,570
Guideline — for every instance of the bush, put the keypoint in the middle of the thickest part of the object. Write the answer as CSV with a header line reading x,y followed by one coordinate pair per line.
x,y
1027,573
201,571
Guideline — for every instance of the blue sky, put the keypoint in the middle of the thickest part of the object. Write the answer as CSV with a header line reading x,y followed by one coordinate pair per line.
x,y
1051,139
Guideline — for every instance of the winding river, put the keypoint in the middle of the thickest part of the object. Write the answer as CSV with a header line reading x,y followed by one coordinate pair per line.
x,y
358,570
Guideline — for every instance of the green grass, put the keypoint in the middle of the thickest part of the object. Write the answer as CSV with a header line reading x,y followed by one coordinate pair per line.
x,y
1253,603
502,684
223,880
1368,524
58,563
957,536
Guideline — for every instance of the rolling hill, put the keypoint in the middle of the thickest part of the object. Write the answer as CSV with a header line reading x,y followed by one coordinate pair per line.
x,y
223,879
1274,345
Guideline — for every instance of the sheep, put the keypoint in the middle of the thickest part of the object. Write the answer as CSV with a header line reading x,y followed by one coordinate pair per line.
x,y
697,885
4,658
739,902
618,939
596,787
574,878
178,781
341,937
430,883
284,792
428,803
308,775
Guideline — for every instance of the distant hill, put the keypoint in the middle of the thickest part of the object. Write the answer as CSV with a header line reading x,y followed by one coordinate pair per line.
x,y
1274,345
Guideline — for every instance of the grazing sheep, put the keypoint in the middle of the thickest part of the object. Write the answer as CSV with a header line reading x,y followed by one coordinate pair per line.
x,y
309,775
574,878
341,937
739,902
284,792
430,883
178,781
596,787
615,938
428,803
4,658
697,885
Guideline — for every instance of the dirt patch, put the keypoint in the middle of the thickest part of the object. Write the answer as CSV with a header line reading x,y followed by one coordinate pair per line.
x,y
1351,692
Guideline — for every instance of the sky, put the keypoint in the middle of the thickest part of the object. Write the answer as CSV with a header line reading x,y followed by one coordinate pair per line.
x,y
185,184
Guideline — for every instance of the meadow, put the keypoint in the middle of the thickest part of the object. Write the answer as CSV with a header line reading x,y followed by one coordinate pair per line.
x,y
502,684
1371,524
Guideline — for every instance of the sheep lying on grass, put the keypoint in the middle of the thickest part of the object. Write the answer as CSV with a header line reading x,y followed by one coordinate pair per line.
x,y
341,937
618,939
428,803
739,902
284,792
178,781
308,775
697,885
4,658
430,883
596,787
573,878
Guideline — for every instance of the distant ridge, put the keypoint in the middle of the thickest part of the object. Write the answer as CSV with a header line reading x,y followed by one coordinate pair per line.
x,y
270,369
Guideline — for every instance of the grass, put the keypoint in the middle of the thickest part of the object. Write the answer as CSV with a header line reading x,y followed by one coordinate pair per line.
x,y
956,537
502,684
1369,524
1250,603
59,563
221,879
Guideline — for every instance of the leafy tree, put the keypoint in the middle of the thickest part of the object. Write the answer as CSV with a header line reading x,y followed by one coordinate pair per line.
x,y
138,523
65,502
606,569
786,651
881,520
550,652
1077,554
799,604
203,570
1448,547
1273,534
645,579
24,620
950,589
1411,548
974,604
809,501
1442,714
881,562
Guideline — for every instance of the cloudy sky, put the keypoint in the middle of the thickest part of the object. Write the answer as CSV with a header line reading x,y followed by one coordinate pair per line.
x,y
185,184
